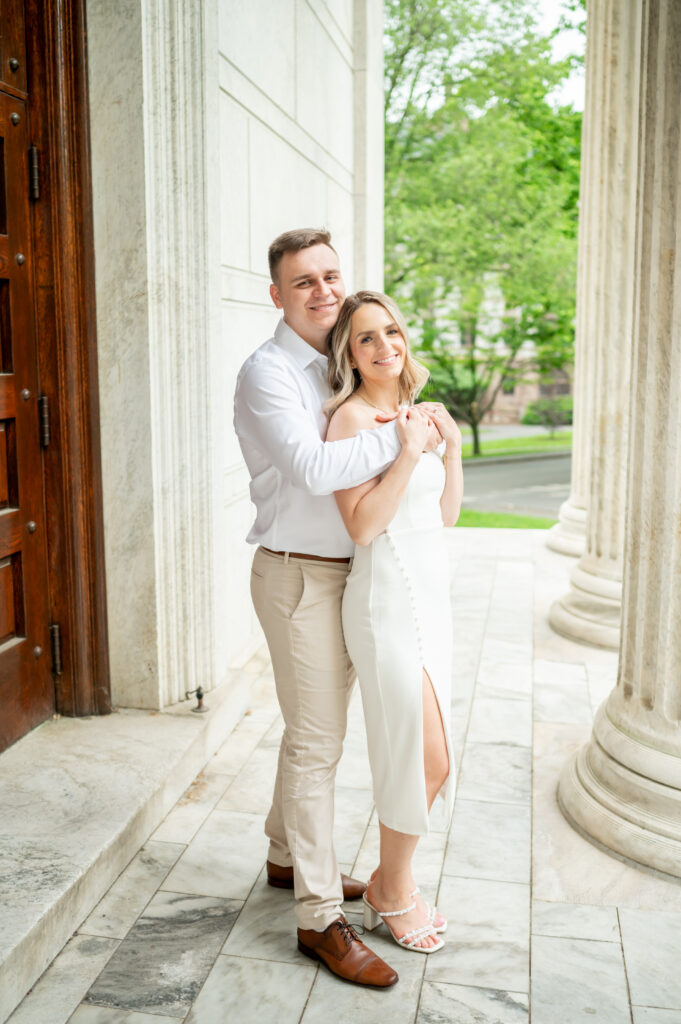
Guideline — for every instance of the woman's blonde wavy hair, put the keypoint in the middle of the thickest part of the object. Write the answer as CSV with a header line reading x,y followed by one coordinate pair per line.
x,y
343,380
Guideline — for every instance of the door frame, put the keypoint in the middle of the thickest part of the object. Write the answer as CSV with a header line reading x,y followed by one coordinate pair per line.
x,y
67,350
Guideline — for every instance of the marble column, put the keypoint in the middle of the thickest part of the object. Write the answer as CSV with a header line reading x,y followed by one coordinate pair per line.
x,y
152,227
590,611
624,787
569,534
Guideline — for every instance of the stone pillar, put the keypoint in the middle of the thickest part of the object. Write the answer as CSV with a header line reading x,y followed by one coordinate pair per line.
x,y
151,226
624,787
368,143
569,534
590,611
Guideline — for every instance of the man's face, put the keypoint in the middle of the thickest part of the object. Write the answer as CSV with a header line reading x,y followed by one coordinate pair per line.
x,y
310,291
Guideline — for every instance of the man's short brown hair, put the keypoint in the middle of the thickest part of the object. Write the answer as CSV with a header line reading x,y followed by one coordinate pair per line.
x,y
294,241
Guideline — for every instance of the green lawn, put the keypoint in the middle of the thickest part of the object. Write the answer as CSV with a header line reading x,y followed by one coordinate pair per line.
x,y
469,517
521,445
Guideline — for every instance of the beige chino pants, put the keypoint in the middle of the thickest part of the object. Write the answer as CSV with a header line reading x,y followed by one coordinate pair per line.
x,y
298,603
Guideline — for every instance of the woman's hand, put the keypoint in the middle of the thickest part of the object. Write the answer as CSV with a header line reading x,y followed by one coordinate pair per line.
x,y
434,438
444,422
413,426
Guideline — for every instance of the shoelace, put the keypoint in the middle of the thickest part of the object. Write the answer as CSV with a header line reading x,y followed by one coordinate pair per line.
x,y
348,932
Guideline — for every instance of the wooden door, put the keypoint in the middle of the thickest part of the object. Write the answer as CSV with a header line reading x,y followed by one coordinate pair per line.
x,y
26,683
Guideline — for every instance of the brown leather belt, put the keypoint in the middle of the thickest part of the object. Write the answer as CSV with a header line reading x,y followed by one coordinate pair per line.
x,y
298,554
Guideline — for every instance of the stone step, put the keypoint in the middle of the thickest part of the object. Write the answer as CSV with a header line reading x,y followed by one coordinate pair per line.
x,y
78,798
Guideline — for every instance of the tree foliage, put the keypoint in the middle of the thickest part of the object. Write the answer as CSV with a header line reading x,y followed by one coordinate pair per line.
x,y
482,184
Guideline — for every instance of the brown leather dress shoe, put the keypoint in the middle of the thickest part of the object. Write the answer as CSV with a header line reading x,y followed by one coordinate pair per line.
x,y
340,948
282,878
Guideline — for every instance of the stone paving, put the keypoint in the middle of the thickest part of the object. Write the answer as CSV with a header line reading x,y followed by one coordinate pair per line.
x,y
543,925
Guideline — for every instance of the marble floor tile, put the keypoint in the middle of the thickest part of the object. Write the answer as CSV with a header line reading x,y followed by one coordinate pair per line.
x,y
338,1001
441,1003
266,927
192,809
251,790
489,840
264,695
567,868
512,650
653,1015
502,627
253,992
463,686
368,855
257,663
458,730
272,738
498,772
562,701
113,1015
652,952
575,921
354,771
238,747
488,935
501,721
353,809
504,679
578,980
438,819
224,858
61,988
426,864
465,656
116,913
547,643
546,671
164,960
601,681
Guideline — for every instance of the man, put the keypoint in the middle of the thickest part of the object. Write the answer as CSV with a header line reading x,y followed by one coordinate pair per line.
x,y
297,582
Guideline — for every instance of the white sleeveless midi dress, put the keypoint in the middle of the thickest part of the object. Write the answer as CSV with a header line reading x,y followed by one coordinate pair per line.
x,y
397,622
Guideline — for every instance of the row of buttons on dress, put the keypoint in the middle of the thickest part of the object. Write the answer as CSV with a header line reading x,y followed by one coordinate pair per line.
x,y
410,592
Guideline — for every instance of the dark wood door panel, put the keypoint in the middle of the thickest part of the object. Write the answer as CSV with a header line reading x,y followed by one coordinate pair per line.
x,y
10,532
26,685
13,75
7,397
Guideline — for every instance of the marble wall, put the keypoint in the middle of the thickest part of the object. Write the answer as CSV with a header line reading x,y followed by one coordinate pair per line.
x,y
215,126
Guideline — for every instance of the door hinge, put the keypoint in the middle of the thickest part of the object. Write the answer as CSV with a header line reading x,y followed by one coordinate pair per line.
x,y
44,416
55,644
33,173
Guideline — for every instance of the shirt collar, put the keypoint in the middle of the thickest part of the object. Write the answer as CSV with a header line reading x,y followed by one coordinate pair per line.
x,y
303,353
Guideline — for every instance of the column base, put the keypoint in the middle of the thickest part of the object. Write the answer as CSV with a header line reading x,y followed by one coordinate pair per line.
x,y
591,610
568,536
636,816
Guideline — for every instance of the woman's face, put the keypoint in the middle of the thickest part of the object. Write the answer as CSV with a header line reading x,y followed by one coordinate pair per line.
x,y
377,348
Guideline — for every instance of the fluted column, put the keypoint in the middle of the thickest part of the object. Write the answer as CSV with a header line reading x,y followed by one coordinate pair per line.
x,y
569,534
624,787
590,611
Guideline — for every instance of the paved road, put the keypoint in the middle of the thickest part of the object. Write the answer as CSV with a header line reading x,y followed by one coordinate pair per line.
x,y
505,430
536,487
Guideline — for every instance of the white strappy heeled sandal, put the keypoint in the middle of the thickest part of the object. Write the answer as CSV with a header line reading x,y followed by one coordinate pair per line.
x,y
373,917
431,913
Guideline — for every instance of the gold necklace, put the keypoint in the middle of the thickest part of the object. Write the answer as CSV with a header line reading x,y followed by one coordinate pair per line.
x,y
367,402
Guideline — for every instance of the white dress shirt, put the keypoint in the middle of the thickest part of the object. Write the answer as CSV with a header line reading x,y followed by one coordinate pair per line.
x,y
280,423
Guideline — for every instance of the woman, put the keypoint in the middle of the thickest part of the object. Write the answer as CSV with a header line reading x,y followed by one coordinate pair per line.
x,y
396,611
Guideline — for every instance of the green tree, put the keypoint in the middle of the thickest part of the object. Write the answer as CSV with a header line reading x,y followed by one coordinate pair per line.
x,y
482,181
